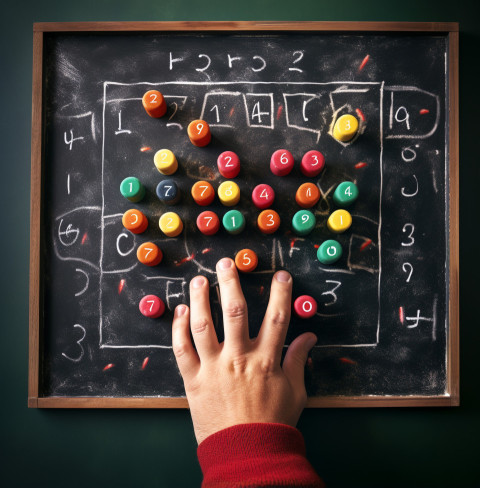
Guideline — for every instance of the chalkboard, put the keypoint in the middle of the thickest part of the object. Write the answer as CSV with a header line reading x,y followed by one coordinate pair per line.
x,y
387,318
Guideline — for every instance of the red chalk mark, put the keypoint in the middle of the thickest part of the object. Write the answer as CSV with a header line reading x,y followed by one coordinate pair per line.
x,y
121,285
84,238
262,289
231,111
424,111
292,242
309,363
364,62
347,361
361,164
208,249
279,111
316,246
401,314
145,362
145,148
365,244
360,114
185,260
108,366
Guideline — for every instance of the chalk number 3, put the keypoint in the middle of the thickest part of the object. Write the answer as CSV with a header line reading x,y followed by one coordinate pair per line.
x,y
79,342
410,237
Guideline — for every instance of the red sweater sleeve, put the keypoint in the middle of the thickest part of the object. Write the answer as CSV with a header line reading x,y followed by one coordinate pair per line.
x,y
256,455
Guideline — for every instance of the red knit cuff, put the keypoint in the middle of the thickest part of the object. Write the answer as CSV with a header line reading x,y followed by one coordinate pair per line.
x,y
253,455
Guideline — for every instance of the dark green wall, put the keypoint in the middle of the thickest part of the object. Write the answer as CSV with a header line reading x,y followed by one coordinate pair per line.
x,y
350,448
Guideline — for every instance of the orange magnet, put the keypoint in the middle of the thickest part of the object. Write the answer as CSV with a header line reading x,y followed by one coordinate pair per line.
x,y
203,193
135,221
307,195
246,260
149,253
199,133
154,104
268,221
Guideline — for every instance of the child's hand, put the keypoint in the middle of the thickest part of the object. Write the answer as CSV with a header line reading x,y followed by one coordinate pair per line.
x,y
239,381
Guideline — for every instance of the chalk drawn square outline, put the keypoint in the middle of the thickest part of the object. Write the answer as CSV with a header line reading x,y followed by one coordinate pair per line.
x,y
380,85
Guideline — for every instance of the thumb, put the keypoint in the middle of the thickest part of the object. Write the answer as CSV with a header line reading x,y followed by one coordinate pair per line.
x,y
296,358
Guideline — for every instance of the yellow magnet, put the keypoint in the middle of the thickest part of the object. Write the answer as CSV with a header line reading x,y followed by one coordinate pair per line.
x,y
165,161
345,128
339,221
170,224
229,193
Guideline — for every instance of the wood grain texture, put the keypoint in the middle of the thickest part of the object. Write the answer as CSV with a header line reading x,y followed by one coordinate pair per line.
x,y
317,402
111,402
379,401
247,26
35,223
453,359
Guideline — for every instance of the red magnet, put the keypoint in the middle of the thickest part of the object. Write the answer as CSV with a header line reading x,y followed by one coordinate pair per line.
x,y
208,223
281,162
263,196
151,306
305,306
228,164
312,163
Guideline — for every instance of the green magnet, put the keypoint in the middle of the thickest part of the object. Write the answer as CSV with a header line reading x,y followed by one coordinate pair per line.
x,y
132,189
345,194
234,222
329,252
303,222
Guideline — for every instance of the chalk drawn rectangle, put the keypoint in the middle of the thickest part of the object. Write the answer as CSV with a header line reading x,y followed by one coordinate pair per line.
x,y
126,133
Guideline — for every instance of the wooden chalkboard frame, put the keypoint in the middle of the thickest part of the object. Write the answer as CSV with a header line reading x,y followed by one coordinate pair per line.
x,y
36,399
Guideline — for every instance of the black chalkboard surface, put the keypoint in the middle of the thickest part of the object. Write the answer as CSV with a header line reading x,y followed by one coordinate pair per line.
x,y
384,321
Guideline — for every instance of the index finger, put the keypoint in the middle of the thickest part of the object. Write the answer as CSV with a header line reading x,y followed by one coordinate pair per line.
x,y
273,331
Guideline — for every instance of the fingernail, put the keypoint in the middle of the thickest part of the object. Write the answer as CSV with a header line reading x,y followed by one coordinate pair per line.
x,y
224,263
198,282
283,276
180,310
